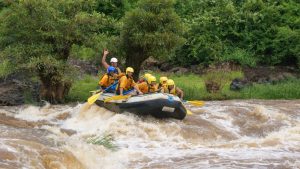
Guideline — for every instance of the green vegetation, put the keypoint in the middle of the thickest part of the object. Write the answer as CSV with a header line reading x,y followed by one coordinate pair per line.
x,y
106,140
194,88
39,36
284,90
247,32
151,29
215,80
80,90
43,35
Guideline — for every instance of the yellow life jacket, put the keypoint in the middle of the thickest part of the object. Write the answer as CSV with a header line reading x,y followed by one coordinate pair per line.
x,y
110,80
173,91
129,83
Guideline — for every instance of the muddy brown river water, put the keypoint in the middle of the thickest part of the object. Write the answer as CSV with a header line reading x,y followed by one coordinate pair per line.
x,y
221,134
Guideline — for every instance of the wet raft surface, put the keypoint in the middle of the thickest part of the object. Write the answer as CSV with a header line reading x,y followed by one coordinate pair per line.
x,y
226,134
158,105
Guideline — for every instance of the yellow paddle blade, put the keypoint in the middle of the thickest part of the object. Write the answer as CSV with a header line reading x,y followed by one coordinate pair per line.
x,y
93,98
118,97
189,112
196,102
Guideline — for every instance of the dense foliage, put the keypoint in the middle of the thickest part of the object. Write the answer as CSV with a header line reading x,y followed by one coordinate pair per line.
x,y
248,32
39,35
151,29
42,35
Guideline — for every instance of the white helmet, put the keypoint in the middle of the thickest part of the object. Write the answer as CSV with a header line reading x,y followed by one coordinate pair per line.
x,y
114,60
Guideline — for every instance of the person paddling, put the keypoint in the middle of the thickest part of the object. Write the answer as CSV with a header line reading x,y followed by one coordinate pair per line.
x,y
108,79
144,77
126,83
172,89
163,84
149,86
113,61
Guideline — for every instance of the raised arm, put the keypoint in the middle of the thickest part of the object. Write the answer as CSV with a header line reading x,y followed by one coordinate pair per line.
x,y
104,63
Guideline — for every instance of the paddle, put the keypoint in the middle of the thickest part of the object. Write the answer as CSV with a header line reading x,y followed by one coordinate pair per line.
x,y
117,97
93,98
188,112
195,102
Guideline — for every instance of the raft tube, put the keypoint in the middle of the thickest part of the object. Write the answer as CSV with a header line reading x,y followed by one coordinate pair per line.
x,y
159,105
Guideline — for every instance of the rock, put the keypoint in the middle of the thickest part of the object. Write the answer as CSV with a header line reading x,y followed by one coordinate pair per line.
x,y
16,88
179,70
69,132
274,74
84,67
150,64
289,76
165,66
197,69
11,94
63,116
238,84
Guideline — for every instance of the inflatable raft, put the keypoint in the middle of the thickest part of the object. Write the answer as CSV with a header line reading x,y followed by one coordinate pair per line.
x,y
159,105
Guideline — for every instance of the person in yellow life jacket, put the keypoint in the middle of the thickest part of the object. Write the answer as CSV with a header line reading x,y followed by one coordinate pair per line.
x,y
113,62
108,79
172,89
144,77
149,86
126,83
163,84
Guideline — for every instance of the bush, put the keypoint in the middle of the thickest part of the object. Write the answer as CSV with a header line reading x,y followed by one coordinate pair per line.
x,y
216,79
5,68
246,32
239,56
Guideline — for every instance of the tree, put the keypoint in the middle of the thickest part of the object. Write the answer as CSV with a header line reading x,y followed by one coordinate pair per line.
x,y
38,35
248,32
151,29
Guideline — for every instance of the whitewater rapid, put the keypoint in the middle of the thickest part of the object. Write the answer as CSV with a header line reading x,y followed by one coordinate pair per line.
x,y
221,134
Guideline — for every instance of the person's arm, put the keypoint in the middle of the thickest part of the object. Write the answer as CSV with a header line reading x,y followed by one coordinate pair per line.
x,y
180,92
104,63
137,89
121,91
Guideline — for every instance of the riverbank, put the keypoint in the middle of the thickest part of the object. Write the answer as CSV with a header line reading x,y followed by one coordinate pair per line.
x,y
194,87
243,83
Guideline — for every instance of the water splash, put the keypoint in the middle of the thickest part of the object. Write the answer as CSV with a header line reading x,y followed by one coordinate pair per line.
x,y
227,134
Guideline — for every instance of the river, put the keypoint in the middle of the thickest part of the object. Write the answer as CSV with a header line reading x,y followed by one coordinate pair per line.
x,y
221,134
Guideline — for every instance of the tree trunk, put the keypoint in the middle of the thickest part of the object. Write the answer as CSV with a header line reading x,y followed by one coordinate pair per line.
x,y
53,88
135,61
54,93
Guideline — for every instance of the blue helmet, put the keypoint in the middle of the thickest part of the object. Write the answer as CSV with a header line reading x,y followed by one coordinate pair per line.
x,y
111,69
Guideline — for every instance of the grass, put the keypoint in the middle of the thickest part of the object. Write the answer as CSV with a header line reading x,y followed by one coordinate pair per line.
x,y
194,88
289,89
80,90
